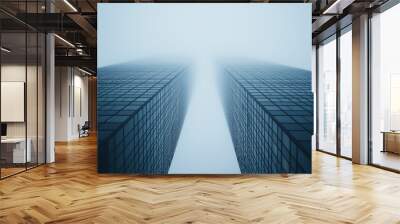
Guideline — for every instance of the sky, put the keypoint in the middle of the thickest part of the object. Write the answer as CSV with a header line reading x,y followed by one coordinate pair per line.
x,y
202,34
278,33
205,145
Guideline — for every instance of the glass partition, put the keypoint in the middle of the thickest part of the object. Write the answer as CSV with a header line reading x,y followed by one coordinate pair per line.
x,y
22,88
13,109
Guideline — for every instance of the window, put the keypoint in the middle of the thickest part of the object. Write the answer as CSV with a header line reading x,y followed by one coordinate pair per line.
x,y
385,89
346,93
327,96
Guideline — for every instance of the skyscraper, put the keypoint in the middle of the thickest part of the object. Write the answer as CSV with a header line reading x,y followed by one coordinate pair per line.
x,y
141,108
269,109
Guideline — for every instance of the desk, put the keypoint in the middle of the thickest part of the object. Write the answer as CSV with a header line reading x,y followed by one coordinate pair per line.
x,y
14,150
391,141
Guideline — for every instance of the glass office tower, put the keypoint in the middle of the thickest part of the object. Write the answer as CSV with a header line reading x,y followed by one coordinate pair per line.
x,y
141,110
269,109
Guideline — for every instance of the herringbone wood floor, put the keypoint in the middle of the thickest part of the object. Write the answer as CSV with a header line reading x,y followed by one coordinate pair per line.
x,y
70,191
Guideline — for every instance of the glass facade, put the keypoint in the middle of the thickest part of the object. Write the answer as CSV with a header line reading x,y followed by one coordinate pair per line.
x,y
327,96
140,114
269,109
335,94
383,71
385,89
346,93
22,78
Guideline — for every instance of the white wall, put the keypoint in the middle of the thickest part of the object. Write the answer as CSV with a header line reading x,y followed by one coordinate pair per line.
x,y
62,82
79,117
71,94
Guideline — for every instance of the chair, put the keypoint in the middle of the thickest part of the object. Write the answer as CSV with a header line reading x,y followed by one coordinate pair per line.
x,y
84,130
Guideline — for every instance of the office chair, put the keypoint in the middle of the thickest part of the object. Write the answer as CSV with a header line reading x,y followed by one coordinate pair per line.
x,y
84,130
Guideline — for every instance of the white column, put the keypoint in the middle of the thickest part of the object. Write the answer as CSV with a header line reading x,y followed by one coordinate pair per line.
x,y
50,99
360,90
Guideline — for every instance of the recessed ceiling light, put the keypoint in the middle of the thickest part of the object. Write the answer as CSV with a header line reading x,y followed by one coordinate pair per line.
x,y
70,5
84,71
64,40
5,50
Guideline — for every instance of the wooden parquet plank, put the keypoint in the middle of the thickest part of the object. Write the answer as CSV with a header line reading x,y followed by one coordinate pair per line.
x,y
71,191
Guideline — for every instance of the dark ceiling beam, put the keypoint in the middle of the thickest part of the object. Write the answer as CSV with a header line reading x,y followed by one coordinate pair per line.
x,y
81,61
332,29
327,25
52,22
320,22
11,25
329,15
74,13
66,51
49,22
91,5
338,6
84,24
9,15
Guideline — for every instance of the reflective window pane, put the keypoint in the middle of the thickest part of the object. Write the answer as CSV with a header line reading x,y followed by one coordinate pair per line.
x,y
327,96
346,94
385,89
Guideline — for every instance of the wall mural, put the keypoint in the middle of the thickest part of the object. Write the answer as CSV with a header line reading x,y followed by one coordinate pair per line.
x,y
204,88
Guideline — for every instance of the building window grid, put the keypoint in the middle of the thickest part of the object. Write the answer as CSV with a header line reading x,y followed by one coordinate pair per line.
x,y
146,118
257,87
